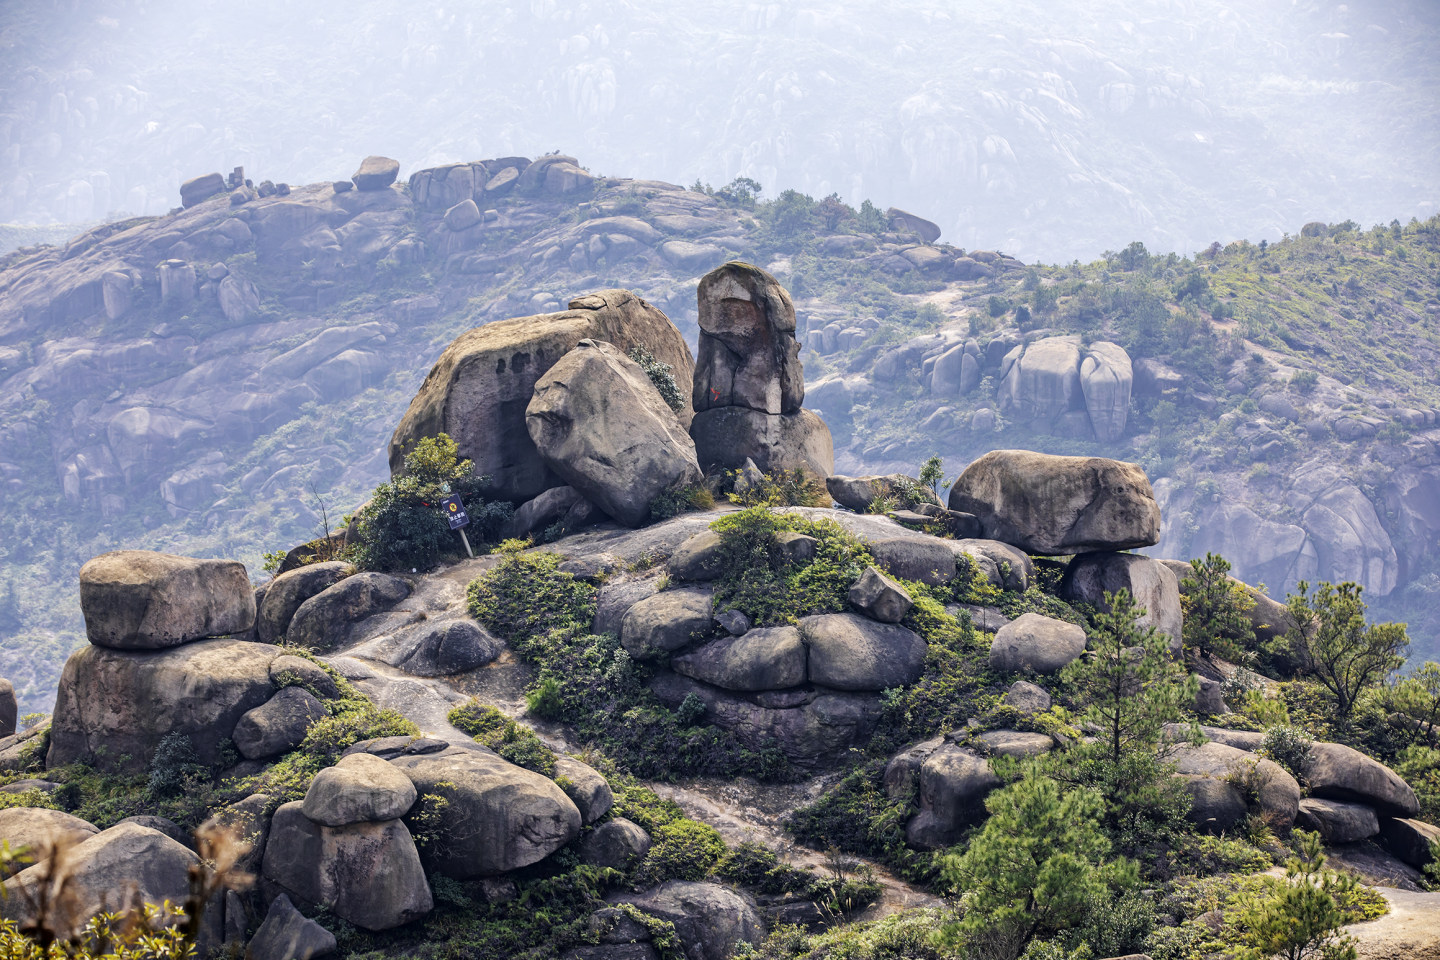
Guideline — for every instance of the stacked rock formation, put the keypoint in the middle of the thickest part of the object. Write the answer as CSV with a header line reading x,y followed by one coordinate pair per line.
x,y
749,383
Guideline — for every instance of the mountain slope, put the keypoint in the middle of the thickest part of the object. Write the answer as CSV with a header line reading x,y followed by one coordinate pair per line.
x,y
223,381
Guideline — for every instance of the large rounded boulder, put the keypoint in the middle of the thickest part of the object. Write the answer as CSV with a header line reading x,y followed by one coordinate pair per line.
x,y
848,652
600,424
284,595
478,390
1036,643
1090,576
113,707
1339,772
142,600
1052,505
748,354
499,817
709,919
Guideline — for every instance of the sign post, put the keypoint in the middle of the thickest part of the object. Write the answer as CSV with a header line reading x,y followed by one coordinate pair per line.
x,y
455,513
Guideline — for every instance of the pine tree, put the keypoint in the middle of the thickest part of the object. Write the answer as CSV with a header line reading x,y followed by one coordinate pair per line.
x,y
1302,919
1216,610
1333,642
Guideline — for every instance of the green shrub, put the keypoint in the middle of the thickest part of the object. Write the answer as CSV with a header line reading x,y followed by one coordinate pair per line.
x,y
402,528
526,596
770,589
680,850
510,740
672,503
911,935
1291,748
175,767
780,488
858,816
661,376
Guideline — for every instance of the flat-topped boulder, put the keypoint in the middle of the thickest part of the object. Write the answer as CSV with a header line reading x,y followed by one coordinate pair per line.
x,y
142,600
1337,822
1052,505
479,389
601,425
376,173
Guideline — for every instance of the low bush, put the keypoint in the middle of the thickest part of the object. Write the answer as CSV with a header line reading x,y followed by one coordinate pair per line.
x,y
510,740
402,528
856,815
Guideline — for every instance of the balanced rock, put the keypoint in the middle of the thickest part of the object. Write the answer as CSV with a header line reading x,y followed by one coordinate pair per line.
x,y
1036,643
199,189
879,597
1052,505
277,725
287,934
666,622
1337,822
376,173
361,788
285,594
141,600
113,707
478,390
600,424
499,818
771,658
852,653
748,354
1092,575
366,873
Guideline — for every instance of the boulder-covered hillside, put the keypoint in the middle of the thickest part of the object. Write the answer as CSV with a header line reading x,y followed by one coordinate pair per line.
x,y
224,380
617,666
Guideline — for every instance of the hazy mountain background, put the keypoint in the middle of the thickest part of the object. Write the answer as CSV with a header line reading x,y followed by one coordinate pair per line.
x,y
1049,131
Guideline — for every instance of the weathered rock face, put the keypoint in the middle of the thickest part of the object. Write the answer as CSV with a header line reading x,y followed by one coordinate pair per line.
x,y
811,727
709,919
114,707
287,934
667,622
748,355
1092,575
285,594
772,658
1059,505
749,384
954,783
361,788
586,788
852,653
277,725
1344,773
323,622
9,708
1337,822
1041,381
1036,643
366,873
500,816
111,871
599,423
1106,379
728,436
442,648
1410,840
478,390
141,600
1278,795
